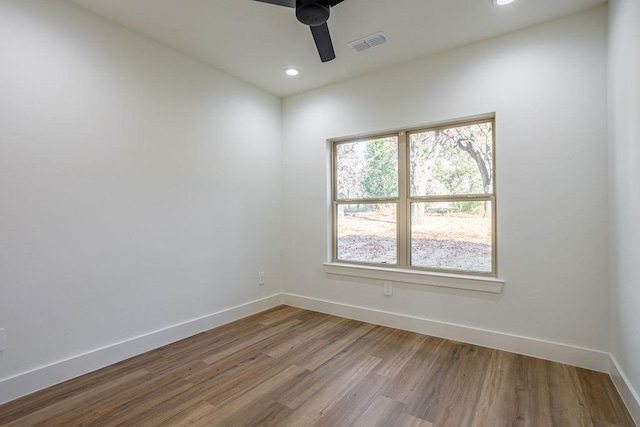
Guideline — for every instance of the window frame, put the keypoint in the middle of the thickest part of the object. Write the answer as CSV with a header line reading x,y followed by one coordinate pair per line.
x,y
404,200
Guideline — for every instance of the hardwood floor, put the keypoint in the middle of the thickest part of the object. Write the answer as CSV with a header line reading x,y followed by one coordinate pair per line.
x,y
294,367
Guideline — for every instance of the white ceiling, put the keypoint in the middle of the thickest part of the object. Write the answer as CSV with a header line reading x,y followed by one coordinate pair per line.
x,y
255,41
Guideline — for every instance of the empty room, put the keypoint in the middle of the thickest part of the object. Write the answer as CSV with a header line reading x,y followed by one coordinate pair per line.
x,y
320,212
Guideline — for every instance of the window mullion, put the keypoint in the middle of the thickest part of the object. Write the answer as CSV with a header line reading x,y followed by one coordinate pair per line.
x,y
403,206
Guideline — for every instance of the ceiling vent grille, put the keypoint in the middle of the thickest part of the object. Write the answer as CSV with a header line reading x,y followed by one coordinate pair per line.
x,y
368,42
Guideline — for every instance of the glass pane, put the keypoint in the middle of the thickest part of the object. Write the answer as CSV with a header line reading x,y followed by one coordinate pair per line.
x,y
367,233
367,169
455,160
452,236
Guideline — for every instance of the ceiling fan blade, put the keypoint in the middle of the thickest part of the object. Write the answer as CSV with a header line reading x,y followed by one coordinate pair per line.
x,y
285,3
335,2
323,42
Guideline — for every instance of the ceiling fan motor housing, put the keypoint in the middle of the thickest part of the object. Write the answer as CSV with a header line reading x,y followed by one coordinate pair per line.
x,y
312,12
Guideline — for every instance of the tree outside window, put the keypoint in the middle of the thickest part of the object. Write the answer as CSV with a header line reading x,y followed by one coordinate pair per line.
x,y
418,199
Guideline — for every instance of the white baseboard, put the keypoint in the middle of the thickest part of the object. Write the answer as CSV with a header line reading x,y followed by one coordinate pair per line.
x,y
630,396
28,382
55,373
570,355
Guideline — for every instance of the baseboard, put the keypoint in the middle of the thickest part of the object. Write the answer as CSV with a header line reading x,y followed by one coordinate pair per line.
x,y
55,373
575,356
629,395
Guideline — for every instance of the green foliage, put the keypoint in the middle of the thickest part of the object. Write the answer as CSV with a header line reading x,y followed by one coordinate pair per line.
x,y
473,208
359,208
380,172
455,160
457,171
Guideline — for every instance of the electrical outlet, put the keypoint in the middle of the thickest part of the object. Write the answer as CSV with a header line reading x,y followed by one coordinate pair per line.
x,y
3,339
261,278
387,288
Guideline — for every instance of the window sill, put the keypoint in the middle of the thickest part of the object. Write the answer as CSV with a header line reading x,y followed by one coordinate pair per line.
x,y
418,277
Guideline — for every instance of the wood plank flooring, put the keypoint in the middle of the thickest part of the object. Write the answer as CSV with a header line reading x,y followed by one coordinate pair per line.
x,y
293,367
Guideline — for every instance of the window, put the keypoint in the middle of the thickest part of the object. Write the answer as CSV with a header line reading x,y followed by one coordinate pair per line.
x,y
419,199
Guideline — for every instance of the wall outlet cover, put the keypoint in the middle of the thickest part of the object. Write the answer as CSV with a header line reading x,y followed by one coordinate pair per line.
x,y
387,288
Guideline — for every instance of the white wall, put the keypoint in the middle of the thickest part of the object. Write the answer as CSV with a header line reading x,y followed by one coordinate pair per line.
x,y
127,171
547,86
129,181
624,134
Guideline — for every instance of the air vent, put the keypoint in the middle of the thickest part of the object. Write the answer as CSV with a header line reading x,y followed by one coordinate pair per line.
x,y
368,42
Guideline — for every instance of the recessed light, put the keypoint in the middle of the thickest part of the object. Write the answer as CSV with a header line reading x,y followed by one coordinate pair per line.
x,y
502,2
291,72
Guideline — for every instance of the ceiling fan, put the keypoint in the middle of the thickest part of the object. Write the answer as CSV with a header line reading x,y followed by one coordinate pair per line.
x,y
313,13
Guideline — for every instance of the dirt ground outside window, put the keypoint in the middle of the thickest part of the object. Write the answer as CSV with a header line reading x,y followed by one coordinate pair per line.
x,y
451,241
